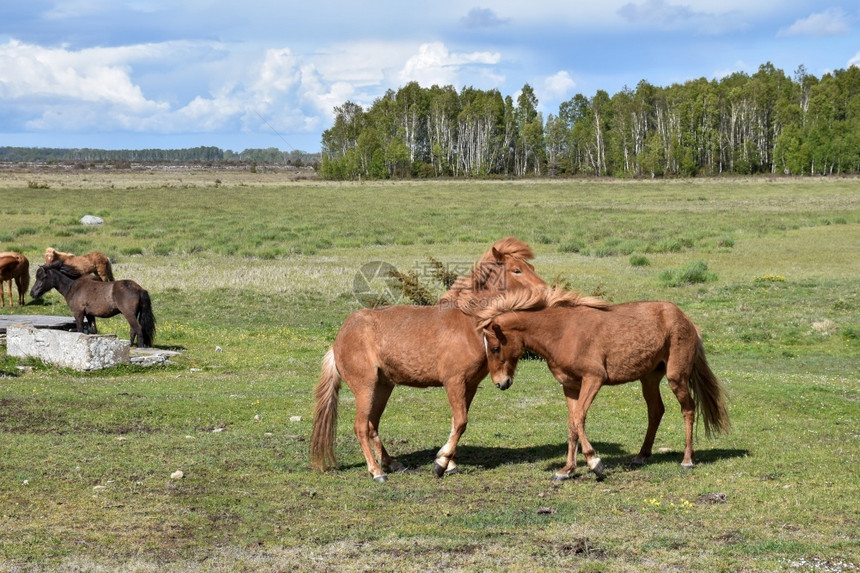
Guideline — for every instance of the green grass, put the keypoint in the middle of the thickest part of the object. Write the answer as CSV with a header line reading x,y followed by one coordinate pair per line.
x,y
252,280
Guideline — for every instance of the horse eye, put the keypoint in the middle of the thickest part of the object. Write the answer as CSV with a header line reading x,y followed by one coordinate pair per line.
x,y
517,272
496,349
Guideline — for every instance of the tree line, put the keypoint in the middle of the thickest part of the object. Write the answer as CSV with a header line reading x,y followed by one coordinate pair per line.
x,y
202,154
766,122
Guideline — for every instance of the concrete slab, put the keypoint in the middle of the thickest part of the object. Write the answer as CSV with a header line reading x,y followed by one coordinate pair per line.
x,y
38,321
66,349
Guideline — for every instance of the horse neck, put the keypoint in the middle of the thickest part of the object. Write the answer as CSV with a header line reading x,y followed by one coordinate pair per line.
x,y
63,283
540,331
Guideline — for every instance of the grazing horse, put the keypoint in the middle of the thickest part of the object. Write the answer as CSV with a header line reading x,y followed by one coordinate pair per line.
x,y
14,266
419,346
95,262
89,297
588,343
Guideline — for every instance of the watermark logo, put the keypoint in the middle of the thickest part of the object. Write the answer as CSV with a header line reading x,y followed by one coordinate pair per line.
x,y
378,283
375,284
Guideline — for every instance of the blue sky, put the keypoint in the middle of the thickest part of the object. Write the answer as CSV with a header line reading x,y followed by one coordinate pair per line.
x,y
146,74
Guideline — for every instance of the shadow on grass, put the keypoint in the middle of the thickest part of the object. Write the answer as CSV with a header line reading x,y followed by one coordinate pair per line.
x,y
554,456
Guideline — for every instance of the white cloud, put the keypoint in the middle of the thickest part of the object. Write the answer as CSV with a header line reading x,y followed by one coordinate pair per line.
x,y
434,64
855,61
668,16
831,22
94,89
558,86
482,18
91,75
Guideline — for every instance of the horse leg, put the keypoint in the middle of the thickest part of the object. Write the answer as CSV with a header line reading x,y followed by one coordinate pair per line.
x,y
458,399
364,398
651,393
452,463
380,399
571,395
135,330
679,382
91,320
578,402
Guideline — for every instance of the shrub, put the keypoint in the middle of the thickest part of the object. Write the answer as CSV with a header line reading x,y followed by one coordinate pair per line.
x,y
639,261
572,246
693,272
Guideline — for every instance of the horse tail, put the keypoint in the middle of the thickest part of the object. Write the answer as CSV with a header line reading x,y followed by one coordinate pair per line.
x,y
709,394
108,270
325,415
146,319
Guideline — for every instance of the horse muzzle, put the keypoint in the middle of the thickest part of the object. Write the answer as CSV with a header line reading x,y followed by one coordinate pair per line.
x,y
505,384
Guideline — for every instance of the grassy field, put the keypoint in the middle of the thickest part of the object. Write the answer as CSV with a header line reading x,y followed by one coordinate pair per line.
x,y
251,276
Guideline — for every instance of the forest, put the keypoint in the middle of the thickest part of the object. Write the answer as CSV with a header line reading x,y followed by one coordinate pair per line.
x,y
764,123
202,154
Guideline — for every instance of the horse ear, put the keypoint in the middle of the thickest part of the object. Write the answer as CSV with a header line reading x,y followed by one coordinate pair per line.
x,y
497,332
498,255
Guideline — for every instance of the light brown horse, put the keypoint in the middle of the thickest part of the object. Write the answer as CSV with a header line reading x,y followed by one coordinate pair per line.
x,y
95,262
439,345
89,297
588,343
14,267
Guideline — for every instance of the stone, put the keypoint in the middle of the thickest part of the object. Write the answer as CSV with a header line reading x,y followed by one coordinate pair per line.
x,y
76,350
92,220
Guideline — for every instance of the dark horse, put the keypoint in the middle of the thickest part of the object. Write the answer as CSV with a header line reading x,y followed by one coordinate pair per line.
x,y
89,297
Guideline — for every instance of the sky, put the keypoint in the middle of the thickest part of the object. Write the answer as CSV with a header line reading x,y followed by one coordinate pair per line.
x,y
115,74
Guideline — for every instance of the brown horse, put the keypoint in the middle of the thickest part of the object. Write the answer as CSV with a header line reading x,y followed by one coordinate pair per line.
x,y
439,345
89,297
95,262
588,343
14,266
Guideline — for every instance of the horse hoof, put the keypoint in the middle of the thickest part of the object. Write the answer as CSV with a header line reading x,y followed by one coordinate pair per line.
x,y
688,466
637,462
596,466
395,467
438,470
561,477
452,471
382,478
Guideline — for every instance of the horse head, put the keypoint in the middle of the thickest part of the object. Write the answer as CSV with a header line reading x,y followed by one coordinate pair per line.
x,y
52,275
503,353
504,267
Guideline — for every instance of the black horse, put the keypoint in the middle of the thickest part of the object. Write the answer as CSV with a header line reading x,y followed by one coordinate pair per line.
x,y
88,297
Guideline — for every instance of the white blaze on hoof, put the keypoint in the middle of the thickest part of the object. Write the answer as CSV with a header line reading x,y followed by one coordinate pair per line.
x,y
561,477
596,465
381,478
688,466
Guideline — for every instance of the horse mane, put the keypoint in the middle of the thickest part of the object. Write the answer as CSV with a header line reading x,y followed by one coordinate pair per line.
x,y
62,267
487,269
537,299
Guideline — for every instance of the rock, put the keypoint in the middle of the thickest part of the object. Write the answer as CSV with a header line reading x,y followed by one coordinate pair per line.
x,y
295,418
92,220
178,474
74,350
